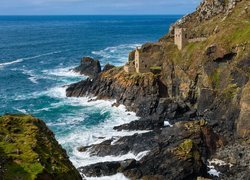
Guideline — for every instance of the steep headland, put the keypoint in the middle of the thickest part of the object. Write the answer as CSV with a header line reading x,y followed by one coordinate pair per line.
x,y
29,150
207,79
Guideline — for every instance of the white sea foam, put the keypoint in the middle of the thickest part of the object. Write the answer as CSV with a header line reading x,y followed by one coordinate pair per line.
x,y
212,171
27,58
116,55
32,76
118,176
11,62
62,72
166,123
22,111
84,159
82,136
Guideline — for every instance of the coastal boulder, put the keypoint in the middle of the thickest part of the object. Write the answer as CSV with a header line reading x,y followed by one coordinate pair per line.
x,y
89,67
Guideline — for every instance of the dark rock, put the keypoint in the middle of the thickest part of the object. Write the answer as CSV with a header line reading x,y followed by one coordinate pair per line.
x,y
108,168
128,164
142,124
89,67
138,93
175,153
100,169
125,145
108,67
235,158
82,148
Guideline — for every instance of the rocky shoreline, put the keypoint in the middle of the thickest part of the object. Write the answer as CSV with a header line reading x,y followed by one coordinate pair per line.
x,y
202,90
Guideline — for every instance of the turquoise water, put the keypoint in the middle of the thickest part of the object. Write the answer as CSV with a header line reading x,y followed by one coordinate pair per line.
x,y
36,55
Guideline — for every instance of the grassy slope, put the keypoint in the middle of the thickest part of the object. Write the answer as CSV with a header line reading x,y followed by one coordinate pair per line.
x,y
233,35
31,150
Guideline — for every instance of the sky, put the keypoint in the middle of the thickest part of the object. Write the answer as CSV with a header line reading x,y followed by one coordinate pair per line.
x,y
96,7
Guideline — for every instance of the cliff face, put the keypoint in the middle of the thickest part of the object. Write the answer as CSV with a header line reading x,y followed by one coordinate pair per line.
x,y
29,150
131,90
211,75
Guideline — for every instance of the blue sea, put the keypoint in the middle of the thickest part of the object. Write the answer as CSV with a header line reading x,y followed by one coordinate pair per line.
x,y
37,54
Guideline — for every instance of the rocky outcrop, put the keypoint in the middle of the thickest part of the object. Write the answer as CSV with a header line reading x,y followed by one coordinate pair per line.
x,y
150,123
108,67
29,150
143,93
89,67
232,161
209,9
134,91
179,152
243,123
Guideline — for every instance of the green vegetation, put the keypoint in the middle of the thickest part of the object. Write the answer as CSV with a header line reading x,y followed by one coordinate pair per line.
x,y
216,79
155,68
187,150
230,91
31,151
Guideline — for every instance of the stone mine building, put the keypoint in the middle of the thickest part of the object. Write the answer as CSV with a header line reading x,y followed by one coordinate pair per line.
x,y
141,63
180,37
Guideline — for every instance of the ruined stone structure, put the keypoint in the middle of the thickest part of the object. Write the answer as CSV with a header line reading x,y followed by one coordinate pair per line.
x,y
180,37
130,67
141,64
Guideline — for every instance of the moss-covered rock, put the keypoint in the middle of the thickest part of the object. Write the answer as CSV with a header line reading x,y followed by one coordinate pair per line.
x,y
29,150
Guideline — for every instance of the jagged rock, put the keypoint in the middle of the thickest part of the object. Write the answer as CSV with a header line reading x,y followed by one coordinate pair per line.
x,y
136,143
243,123
108,67
209,9
100,169
139,93
89,67
142,124
32,152
232,161
177,153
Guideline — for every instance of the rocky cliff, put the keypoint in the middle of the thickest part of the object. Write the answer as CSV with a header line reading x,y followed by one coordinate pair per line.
x,y
208,79
29,150
89,67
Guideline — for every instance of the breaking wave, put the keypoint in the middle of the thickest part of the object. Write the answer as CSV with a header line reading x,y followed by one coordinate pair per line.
x,y
116,55
27,58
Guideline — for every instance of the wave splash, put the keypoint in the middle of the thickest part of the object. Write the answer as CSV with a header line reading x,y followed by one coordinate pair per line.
x,y
116,55
27,58
81,135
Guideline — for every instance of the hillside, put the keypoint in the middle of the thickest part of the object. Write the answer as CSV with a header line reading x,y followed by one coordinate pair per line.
x,y
29,150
